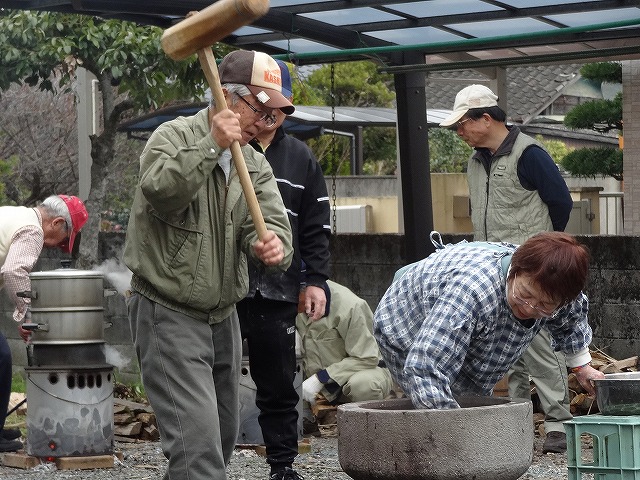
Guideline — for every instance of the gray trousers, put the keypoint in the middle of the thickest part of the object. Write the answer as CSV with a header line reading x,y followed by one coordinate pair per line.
x,y
548,370
190,372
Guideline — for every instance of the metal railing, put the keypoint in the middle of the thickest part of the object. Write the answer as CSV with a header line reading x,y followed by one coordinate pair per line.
x,y
611,218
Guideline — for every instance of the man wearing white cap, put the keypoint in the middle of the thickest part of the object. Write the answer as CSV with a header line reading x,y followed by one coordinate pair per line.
x,y
24,232
189,240
516,191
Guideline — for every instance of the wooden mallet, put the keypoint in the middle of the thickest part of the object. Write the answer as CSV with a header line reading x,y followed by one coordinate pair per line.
x,y
196,34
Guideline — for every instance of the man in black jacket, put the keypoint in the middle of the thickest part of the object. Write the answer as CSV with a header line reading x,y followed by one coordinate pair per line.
x,y
268,313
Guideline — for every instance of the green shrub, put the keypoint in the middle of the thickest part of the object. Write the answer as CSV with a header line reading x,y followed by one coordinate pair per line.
x,y
592,162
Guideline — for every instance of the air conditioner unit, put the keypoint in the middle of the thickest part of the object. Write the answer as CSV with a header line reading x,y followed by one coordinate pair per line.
x,y
352,218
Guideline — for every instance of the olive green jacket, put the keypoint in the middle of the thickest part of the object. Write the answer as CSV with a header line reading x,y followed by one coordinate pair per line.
x,y
190,230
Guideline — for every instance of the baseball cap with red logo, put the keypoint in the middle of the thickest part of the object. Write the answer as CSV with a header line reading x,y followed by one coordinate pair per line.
x,y
79,217
260,73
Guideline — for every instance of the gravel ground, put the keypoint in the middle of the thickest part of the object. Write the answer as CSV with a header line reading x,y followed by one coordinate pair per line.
x,y
144,461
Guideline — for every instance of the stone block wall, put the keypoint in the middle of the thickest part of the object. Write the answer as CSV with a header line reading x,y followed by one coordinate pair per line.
x,y
366,264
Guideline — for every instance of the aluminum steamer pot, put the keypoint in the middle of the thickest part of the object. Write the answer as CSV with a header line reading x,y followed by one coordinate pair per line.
x,y
67,306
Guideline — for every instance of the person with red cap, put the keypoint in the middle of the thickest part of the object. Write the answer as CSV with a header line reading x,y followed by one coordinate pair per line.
x,y
24,232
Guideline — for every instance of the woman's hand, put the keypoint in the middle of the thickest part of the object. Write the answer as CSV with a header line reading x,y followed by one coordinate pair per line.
x,y
585,374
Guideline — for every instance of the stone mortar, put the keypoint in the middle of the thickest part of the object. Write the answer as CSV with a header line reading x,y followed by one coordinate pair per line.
x,y
489,438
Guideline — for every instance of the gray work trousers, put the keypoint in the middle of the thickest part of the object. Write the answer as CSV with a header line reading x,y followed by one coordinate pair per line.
x,y
548,371
190,372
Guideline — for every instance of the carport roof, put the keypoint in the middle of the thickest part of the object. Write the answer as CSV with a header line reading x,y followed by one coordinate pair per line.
x,y
346,118
450,33
406,38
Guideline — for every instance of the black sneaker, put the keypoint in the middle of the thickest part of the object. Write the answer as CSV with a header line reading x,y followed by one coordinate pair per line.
x,y
10,433
10,445
310,427
556,442
286,474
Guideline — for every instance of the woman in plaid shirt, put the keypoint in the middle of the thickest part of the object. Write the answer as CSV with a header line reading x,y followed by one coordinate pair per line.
x,y
455,322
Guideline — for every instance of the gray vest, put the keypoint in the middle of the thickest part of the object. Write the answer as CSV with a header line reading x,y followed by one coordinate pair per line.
x,y
501,209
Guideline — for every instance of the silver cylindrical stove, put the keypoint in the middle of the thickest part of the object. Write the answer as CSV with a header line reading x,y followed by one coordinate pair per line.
x,y
70,410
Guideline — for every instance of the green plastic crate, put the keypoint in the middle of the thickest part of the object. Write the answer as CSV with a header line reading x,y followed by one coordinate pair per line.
x,y
616,447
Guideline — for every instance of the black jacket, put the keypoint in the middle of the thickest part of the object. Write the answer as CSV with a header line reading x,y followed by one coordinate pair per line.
x,y
305,197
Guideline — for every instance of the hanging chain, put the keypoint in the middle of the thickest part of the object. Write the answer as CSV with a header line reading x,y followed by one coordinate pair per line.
x,y
333,149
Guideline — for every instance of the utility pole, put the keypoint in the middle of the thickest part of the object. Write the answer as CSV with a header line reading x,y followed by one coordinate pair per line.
x,y
87,90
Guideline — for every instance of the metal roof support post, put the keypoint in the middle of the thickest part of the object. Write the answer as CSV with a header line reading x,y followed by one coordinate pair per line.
x,y
631,167
359,155
498,85
413,149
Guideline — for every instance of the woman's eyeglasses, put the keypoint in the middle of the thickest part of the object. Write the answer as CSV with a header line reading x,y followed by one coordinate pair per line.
x,y
545,312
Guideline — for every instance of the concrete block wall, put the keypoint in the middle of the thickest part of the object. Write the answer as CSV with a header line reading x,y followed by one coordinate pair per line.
x,y
366,264
614,293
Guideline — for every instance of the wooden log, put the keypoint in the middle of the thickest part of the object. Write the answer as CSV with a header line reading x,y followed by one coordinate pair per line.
x,y
618,366
130,430
135,407
147,419
84,463
123,418
150,433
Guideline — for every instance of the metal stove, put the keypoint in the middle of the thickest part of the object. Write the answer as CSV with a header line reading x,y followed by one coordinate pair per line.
x,y
69,383
70,410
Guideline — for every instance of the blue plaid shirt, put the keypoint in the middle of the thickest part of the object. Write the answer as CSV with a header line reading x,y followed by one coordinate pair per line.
x,y
445,327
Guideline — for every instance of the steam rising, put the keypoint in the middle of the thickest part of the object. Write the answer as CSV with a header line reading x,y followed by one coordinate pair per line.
x,y
117,273
115,358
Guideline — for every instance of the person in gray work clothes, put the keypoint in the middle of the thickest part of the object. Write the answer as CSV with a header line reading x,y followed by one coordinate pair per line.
x,y
516,191
341,356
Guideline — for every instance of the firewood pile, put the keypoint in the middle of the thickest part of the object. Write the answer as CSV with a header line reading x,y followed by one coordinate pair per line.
x,y
326,416
134,421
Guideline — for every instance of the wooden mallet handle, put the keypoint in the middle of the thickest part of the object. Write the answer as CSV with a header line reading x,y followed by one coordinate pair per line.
x,y
210,69
197,33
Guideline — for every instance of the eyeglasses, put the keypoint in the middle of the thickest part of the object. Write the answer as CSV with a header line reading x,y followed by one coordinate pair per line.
x,y
461,123
543,311
67,232
269,120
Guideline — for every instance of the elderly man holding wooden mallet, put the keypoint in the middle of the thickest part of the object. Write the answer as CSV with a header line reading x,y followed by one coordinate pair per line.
x,y
193,228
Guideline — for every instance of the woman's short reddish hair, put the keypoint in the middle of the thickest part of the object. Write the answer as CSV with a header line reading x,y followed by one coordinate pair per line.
x,y
555,261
